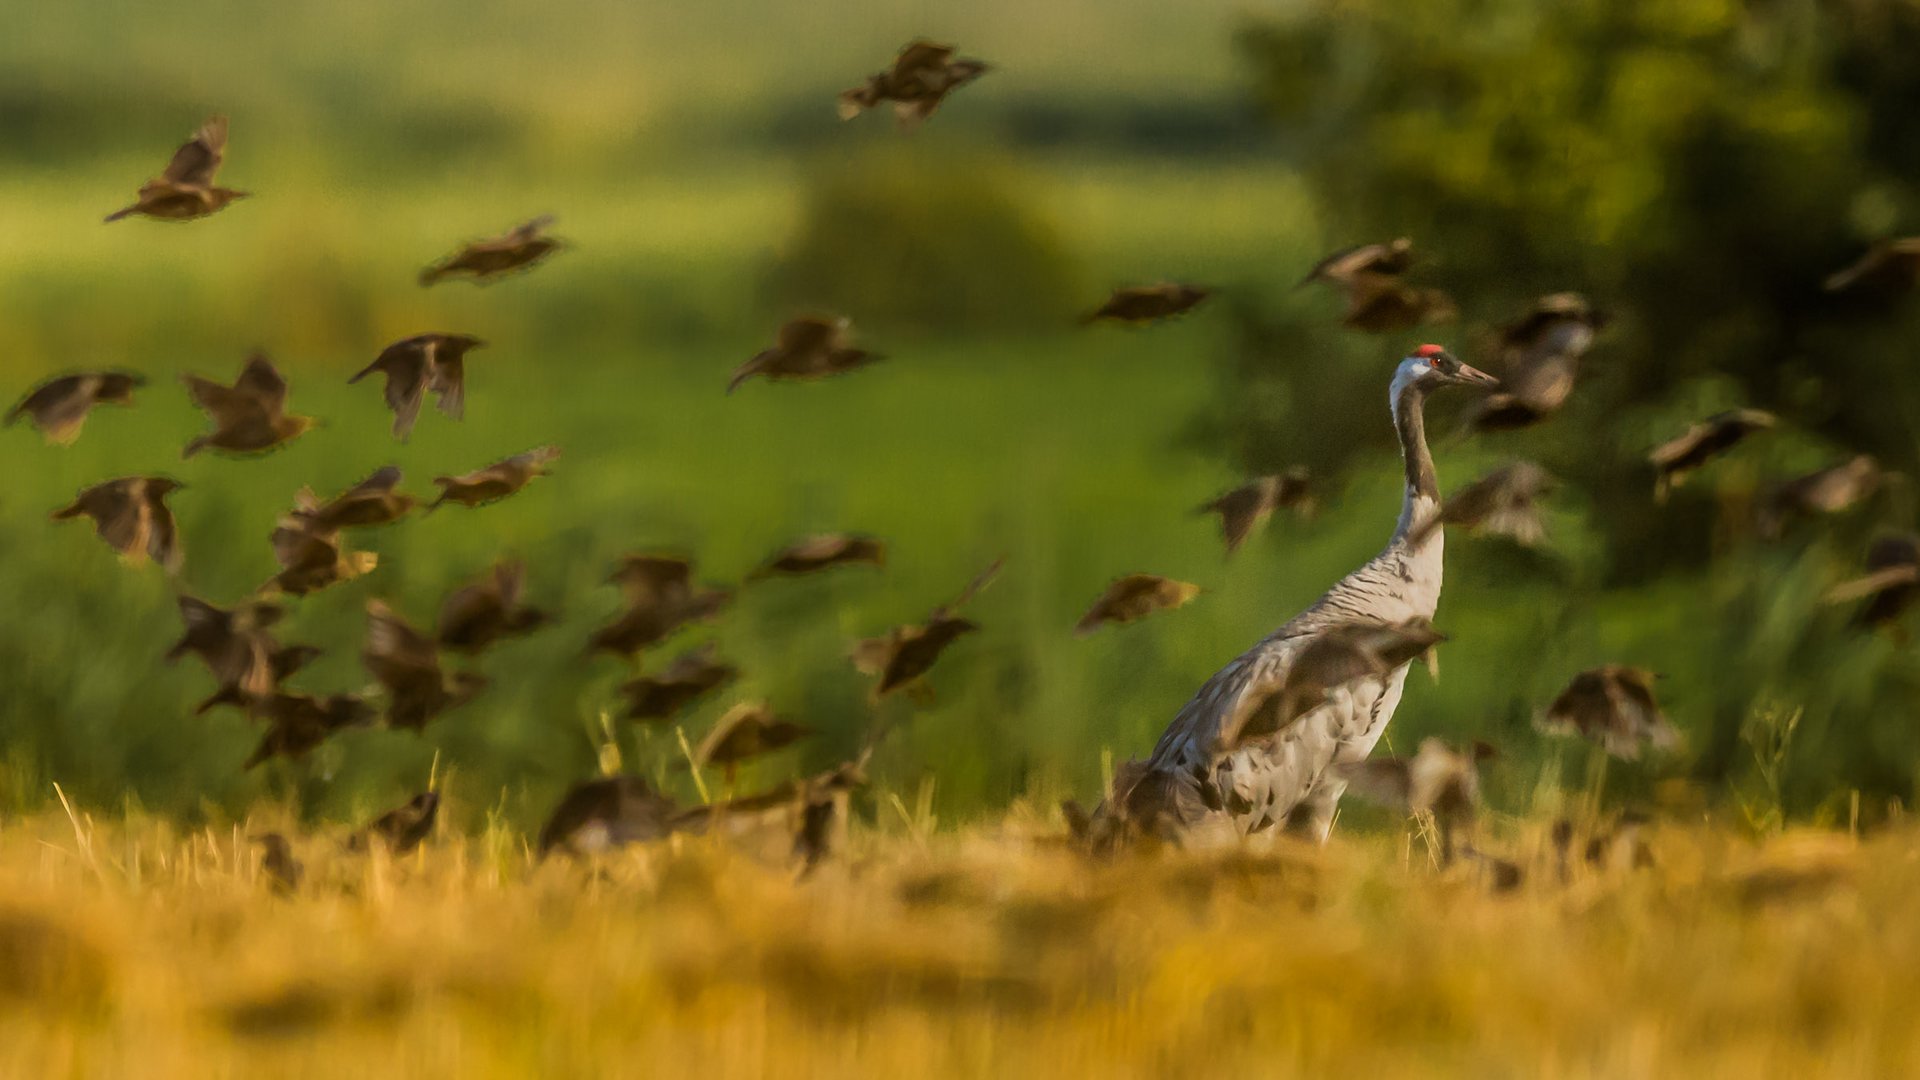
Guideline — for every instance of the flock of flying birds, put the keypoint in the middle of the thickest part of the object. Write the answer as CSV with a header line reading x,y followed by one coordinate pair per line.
x,y
1540,354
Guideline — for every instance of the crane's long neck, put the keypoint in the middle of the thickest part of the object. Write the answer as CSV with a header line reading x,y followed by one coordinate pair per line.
x,y
1423,486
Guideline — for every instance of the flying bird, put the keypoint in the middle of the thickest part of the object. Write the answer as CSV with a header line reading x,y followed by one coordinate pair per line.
x,y
237,646
1437,780
403,828
920,79
186,189
311,557
132,516
404,661
422,364
1504,502
902,656
1210,769
746,731
1888,266
1677,458
1614,707
1135,597
661,597
1540,354
823,551
809,347
475,616
484,260
496,481
1824,491
59,406
1248,506
1344,267
248,417
1379,304
599,815
283,661
1891,584
372,501
691,676
298,723
1140,304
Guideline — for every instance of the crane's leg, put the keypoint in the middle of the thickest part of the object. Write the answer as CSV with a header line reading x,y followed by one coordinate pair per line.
x,y
1312,819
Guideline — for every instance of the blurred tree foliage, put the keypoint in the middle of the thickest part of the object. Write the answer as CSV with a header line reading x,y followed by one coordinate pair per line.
x,y
1695,166
914,238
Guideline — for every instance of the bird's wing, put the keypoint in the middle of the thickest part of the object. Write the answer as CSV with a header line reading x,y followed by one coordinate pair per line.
x,y
195,163
405,365
228,406
383,480
393,639
810,333
531,230
447,378
261,381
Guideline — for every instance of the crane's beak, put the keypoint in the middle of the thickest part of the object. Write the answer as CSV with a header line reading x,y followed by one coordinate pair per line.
x,y
1473,376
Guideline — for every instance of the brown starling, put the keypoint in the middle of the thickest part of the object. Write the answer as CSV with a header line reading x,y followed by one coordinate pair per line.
x,y
823,551
297,723
282,662
661,598
692,675
1335,656
477,615
1613,706
1141,304
419,365
496,481
1888,266
484,260
904,654
1379,304
233,643
1503,502
1676,459
248,417
1540,354
277,862
1246,507
1344,266
186,189
131,515
599,815
1891,584
372,501
402,828
404,661
59,407
920,79
1135,597
808,347
1826,491
746,731
1438,780
312,558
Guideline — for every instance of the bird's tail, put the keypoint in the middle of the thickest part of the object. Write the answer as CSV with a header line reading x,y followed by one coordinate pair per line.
x,y
123,213
432,274
195,447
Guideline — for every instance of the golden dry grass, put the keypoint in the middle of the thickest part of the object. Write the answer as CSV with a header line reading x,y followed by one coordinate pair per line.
x,y
131,949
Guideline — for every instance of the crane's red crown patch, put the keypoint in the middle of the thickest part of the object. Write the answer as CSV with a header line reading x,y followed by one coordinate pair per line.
x,y
1429,350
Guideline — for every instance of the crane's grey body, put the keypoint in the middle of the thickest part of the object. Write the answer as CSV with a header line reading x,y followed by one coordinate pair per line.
x,y
1284,777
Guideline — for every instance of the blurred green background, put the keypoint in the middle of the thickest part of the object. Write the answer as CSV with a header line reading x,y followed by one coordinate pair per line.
x,y
1694,166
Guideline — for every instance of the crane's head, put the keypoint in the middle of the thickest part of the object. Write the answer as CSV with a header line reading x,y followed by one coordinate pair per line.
x,y
1431,366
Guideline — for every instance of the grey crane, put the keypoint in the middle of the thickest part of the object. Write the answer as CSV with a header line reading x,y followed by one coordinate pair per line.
x,y
1200,777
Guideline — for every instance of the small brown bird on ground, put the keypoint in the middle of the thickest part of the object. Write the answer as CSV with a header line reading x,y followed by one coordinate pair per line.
x,y
131,515
823,551
1612,706
248,417
59,406
1438,780
1141,304
419,365
1246,507
1503,502
1336,656
1891,584
312,558
1539,355
1888,266
297,723
906,653
277,862
809,347
1825,491
484,260
475,616
186,189
599,815
1134,597
402,828
282,663
1345,266
496,481
692,675
661,598
372,501
1676,459
744,732
921,77
234,644
403,660
1379,304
